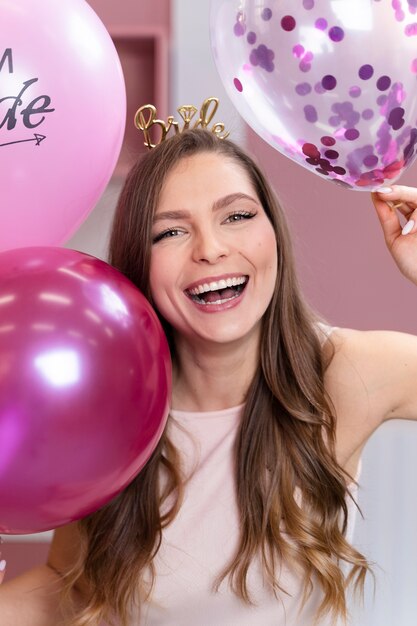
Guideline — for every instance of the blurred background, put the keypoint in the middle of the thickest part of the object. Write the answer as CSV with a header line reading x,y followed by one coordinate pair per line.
x,y
346,271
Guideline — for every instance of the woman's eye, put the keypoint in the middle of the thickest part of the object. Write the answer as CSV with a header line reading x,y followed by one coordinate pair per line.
x,y
170,232
239,216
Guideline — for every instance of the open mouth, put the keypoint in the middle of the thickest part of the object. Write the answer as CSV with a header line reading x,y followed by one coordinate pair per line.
x,y
219,292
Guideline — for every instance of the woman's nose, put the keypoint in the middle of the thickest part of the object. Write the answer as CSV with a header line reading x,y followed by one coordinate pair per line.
x,y
210,247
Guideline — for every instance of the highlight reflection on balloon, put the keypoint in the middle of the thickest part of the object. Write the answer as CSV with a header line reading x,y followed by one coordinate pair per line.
x,y
84,386
330,84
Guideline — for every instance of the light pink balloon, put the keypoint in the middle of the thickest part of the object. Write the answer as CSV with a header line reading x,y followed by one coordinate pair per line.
x,y
331,85
62,118
85,377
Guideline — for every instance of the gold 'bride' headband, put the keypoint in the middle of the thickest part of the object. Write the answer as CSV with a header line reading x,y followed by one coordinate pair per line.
x,y
145,119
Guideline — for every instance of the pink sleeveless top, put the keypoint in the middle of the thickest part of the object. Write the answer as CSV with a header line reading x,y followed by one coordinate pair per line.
x,y
203,538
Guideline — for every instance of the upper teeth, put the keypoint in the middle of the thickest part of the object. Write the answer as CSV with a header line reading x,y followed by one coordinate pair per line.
x,y
215,286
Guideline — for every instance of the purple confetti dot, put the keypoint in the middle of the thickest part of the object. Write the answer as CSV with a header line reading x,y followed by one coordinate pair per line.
x,y
253,58
328,141
339,170
336,33
371,160
381,100
266,14
351,134
329,82
321,171
355,91
396,118
325,164
308,4
305,67
412,3
366,72
411,30
312,161
310,113
334,121
288,23
239,29
318,88
303,89
321,23
367,114
251,37
238,84
331,154
383,83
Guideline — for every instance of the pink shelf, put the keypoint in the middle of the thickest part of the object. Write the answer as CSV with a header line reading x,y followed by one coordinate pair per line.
x,y
143,54
140,30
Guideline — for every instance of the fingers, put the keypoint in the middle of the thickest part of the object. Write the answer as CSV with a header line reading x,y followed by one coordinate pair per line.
x,y
388,219
389,200
411,226
399,193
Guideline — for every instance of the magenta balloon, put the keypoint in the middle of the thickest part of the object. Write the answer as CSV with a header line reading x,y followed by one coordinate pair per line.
x,y
62,118
331,85
84,386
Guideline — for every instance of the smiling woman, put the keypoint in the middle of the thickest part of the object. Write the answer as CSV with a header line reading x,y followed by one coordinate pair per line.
x,y
219,234
244,513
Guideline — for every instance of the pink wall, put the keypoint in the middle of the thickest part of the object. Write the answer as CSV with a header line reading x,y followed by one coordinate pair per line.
x,y
344,266
133,12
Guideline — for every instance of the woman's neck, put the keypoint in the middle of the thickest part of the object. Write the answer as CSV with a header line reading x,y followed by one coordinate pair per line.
x,y
212,377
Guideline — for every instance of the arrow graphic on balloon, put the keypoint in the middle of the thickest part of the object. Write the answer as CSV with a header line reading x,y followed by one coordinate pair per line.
x,y
37,138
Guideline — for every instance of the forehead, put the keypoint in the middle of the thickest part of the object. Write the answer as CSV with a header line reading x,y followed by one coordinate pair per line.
x,y
203,179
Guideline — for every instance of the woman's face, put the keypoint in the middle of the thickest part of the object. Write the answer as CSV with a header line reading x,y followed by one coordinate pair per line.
x,y
214,258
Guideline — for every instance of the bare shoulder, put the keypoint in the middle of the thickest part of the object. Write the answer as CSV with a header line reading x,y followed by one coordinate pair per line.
x,y
370,378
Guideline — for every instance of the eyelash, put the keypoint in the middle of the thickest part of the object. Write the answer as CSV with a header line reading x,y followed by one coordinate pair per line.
x,y
246,215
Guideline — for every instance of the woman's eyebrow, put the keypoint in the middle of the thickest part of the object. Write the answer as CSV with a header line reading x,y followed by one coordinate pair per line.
x,y
171,215
229,199
221,203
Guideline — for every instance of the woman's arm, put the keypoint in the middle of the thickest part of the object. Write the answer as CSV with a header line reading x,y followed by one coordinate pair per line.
x,y
32,599
373,374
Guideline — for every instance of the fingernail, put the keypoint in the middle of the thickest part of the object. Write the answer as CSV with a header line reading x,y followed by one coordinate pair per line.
x,y
408,227
2,565
384,190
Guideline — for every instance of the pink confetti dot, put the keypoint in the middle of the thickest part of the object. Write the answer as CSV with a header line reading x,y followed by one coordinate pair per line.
x,y
321,23
238,84
355,92
288,23
298,50
414,66
328,141
411,30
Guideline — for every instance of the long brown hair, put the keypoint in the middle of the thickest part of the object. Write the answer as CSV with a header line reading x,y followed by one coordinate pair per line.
x,y
285,443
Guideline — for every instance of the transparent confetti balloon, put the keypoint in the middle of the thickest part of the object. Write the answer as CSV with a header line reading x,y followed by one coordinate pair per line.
x,y
331,84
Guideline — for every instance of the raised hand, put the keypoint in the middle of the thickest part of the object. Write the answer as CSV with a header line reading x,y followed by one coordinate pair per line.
x,y
390,203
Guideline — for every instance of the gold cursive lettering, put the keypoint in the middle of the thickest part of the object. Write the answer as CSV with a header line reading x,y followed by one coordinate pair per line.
x,y
145,119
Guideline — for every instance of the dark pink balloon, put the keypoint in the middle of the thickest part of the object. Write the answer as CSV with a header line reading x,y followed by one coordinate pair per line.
x,y
84,386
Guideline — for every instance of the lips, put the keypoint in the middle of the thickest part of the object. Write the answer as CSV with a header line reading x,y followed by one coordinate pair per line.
x,y
221,291
213,283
